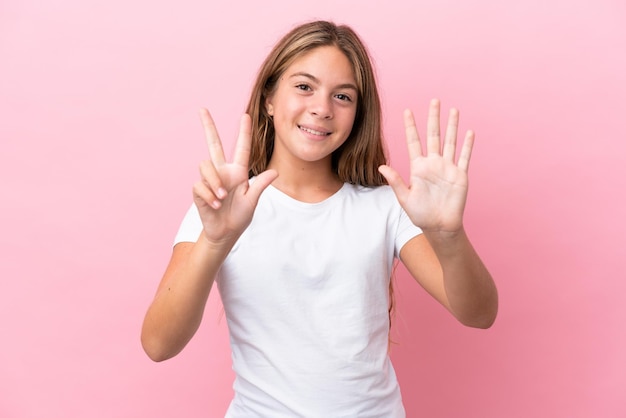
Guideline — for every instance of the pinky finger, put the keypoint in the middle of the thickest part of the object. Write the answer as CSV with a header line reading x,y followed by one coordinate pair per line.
x,y
466,151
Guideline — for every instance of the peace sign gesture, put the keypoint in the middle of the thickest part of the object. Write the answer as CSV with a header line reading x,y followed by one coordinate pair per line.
x,y
223,195
435,197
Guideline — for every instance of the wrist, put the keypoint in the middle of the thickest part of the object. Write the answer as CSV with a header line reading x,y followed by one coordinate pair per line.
x,y
217,244
444,234
442,240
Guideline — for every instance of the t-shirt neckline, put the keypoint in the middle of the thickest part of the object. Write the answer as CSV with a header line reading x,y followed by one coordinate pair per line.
x,y
284,197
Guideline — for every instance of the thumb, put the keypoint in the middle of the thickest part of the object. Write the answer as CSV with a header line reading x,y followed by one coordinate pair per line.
x,y
260,183
395,181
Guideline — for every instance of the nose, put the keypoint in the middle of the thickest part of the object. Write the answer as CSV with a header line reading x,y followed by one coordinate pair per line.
x,y
321,106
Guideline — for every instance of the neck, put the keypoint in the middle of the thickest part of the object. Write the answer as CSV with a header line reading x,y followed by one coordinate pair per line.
x,y
305,181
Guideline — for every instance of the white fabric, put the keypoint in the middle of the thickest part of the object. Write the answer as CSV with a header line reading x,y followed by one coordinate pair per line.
x,y
306,295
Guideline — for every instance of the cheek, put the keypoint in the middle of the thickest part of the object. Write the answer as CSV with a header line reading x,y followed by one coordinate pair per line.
x,y
348,119
287,109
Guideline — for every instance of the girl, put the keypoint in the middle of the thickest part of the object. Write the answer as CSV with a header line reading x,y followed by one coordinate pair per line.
x,y
300,232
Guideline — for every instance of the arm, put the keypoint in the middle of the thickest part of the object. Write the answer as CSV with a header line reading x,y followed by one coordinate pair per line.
x,y
451,271
226,203
443,260
176,311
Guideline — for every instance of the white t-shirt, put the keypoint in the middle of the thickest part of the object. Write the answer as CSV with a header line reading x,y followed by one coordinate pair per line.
x,y
306,295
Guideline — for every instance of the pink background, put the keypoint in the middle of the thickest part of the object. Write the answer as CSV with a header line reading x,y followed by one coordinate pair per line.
x,y
100,146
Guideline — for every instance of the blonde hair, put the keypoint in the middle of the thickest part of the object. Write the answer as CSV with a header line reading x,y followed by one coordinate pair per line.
x,y
358,159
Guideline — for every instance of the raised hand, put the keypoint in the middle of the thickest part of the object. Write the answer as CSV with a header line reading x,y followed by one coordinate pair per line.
x,y
436,194
225,199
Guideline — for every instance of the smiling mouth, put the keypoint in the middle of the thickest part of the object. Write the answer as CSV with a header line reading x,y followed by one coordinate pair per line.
x,y
313,131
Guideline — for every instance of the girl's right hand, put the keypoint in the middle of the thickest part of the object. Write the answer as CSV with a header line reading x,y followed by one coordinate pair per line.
x,y
224,197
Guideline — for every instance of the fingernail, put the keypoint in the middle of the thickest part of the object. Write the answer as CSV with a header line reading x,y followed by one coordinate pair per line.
x,y
221,193
216,204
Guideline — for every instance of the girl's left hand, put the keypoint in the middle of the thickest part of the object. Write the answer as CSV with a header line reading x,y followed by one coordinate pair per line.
x,y
435,197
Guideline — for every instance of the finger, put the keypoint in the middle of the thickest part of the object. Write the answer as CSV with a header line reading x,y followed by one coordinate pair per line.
x,y
203,196
466,151
212,138
412,137
433,142
260,183
212,179
242,148
395,181
449,145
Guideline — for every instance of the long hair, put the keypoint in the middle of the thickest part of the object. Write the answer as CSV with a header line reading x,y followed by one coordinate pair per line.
x,y
357,160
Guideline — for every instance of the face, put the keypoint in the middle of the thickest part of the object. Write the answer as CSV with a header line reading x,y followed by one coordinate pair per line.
x,y
313,107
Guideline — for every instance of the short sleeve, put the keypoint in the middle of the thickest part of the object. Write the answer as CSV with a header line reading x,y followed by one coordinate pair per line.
x,y
406,231
190,228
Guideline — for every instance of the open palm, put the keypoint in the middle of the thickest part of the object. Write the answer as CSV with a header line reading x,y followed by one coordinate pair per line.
x,y
436,194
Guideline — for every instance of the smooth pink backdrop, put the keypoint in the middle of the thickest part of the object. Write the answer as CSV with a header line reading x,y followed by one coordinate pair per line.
x,y
100,146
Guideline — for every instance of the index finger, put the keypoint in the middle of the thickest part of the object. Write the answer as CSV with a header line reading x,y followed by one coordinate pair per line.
x,y
212,138
242,148
412,137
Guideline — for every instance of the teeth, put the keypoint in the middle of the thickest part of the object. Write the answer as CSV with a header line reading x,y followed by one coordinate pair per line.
x,y
314,132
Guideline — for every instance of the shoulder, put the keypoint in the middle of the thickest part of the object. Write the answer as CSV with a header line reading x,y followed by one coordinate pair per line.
x,y
369,191
378,202
378,196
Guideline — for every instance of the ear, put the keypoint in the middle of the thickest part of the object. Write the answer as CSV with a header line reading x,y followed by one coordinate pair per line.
x,y
269,107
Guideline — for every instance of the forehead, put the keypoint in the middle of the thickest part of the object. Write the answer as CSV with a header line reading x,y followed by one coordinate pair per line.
x,y
325,61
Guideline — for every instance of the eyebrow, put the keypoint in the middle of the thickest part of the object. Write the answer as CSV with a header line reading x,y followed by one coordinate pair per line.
x,y
316,80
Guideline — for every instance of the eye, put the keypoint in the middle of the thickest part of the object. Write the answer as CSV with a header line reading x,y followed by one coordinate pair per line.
x,y
303,87
343,97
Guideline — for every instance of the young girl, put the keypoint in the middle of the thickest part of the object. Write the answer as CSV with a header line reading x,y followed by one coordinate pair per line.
x,y
300,231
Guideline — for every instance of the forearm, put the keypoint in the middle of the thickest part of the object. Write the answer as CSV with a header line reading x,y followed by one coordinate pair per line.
x,y
470,290
176,311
